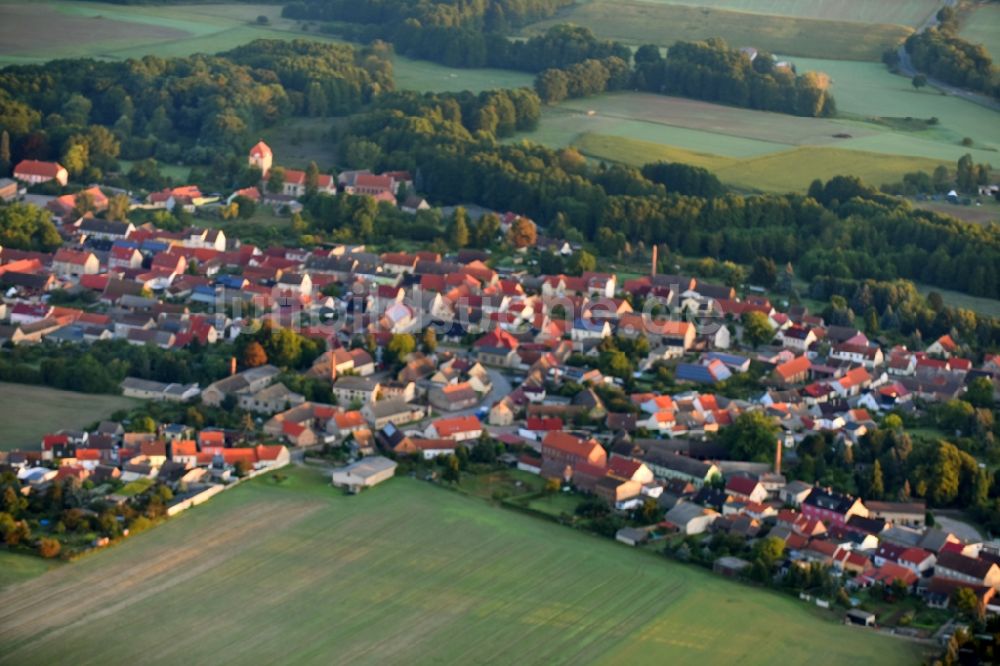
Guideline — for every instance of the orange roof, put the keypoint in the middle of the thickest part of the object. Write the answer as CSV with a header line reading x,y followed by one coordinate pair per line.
x,y
794,367
269,452
185,447
38,168
346,420
456,425
567,443
233,456
261,149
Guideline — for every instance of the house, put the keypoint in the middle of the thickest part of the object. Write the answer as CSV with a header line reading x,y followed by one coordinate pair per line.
x,y
426,448
144,389
795,492
745,488
967,569
908,514
270,399
8,189
350,388
459,428
395,411
831,507
568,450
248,381
365,473
261,157
498,347
453,397
792,372
690,518
34,172
73,263
669,465
295,183
943,346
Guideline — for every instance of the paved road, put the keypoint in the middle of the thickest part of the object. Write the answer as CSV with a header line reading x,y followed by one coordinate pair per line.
x,y
962,530
907,69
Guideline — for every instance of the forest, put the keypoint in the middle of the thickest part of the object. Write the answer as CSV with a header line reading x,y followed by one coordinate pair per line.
x,y
843,228
87,113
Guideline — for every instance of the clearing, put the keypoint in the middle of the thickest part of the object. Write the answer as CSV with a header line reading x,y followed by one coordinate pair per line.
x,y
29,412
298,573
635,22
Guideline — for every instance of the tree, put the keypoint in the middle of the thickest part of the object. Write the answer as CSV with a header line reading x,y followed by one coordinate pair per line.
x,y
49,548
5,162
522,233
753,436
276,180
254,355
876,485
769,550
400,346
552,486
143,424
452,469
582,262
118,207
764,272
458,230
26,227
362,154
967,603
312,179
979,393
756,328
919,81
430,340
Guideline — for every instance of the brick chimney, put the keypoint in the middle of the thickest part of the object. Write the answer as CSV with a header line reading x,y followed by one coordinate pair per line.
x,y
232,366
777,456
655,255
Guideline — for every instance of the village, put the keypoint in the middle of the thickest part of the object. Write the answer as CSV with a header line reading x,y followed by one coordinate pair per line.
x,y
428,355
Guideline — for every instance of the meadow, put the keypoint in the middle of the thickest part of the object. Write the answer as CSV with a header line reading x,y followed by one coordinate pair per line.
x,y
638,22
404,573
29,412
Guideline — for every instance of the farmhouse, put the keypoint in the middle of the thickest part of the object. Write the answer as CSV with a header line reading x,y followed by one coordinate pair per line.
x,y
391,410
34,172
459,428
690,518
248,381
145,389
365,473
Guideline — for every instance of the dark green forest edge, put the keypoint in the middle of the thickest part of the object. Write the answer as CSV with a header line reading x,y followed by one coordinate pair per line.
x,y
569,61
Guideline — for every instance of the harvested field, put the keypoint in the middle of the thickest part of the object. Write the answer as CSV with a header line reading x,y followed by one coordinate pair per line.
x,y
637,22
298,573
901,12
29,412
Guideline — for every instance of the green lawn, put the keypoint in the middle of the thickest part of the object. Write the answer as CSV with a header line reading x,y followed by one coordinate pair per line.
x,y
639,22
17,568
404,573
27,413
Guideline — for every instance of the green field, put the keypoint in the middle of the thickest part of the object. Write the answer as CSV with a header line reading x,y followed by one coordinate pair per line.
x,y
638,22
29,412
405,573
901,12
16,569
787,171
107,31
982,26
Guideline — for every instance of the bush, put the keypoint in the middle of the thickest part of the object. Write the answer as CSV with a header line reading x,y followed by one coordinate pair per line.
x,y
49,548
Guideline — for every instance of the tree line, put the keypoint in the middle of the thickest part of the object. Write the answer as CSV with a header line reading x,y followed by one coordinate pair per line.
x,y
842,228
88,113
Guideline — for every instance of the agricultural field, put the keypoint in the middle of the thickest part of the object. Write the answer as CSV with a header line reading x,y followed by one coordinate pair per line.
x,y
296,572
29,412
790,170
107,31
982,26
15,568
901,12
638,22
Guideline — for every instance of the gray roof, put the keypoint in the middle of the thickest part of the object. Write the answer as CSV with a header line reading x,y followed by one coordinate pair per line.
x,y
369,466
684,512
